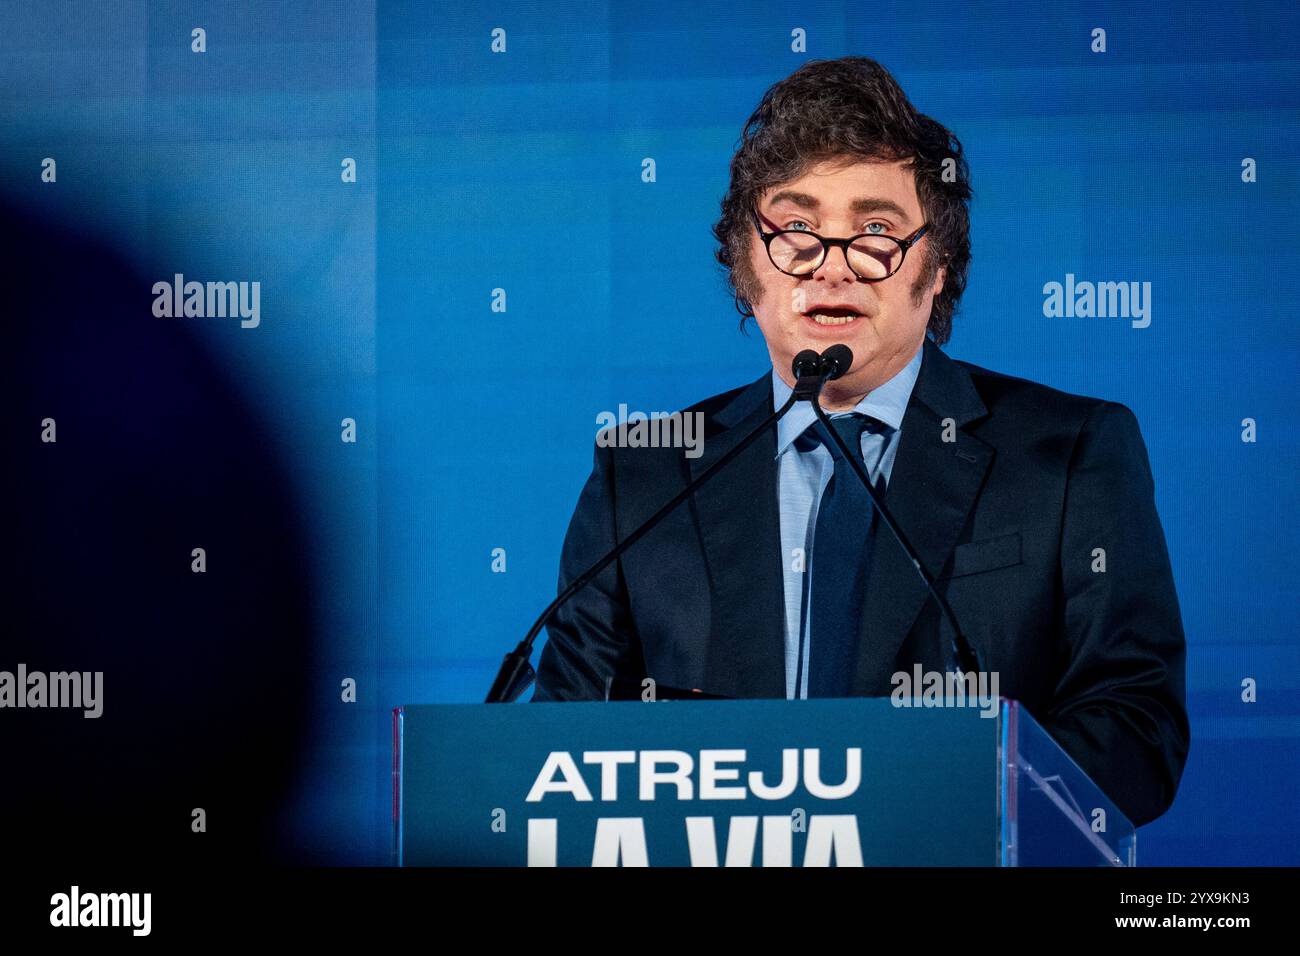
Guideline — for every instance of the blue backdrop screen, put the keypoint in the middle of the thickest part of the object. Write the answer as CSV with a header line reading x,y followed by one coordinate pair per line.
x,y
461,262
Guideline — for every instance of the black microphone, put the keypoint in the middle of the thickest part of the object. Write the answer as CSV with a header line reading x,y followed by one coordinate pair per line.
x,y
516,672
834,362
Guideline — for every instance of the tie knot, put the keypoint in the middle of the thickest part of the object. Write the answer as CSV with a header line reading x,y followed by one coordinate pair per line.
x,y
850,427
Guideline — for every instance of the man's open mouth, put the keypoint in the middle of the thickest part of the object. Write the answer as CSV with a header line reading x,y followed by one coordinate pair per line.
x,y
833,316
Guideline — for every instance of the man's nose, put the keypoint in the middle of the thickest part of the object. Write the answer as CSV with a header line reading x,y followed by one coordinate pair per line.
x,y
836,266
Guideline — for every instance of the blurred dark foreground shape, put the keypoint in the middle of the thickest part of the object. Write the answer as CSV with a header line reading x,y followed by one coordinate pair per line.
x,y
205,675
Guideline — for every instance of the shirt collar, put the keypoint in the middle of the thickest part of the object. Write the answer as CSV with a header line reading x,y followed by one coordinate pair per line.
x,y
887,402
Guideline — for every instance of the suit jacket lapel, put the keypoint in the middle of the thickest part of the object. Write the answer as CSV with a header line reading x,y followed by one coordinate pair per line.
x,y
738,517
932,488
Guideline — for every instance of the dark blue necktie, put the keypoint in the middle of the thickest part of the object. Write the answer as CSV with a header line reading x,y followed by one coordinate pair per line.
x,y
841,558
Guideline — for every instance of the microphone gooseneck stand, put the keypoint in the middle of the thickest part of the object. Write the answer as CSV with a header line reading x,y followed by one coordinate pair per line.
x,y
516,671
811,372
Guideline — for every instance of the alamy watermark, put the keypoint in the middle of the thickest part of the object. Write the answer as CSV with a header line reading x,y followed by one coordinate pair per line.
x,y
82,690
76,908
1102,300
656,430
219,300
922,688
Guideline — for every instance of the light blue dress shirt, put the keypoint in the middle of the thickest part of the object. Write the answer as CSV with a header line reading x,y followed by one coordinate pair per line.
x,y
805,467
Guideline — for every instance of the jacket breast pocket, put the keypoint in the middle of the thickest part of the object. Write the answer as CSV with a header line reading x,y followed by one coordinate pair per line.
x,y
986,555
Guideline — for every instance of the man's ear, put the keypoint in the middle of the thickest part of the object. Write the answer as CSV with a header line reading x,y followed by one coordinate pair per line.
x,y
940,276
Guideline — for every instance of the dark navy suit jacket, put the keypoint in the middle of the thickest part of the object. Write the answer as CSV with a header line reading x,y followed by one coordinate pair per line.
x,y
1007,514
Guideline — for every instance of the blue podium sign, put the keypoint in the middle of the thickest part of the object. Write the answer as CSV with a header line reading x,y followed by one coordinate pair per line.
x,y
758,782
860,782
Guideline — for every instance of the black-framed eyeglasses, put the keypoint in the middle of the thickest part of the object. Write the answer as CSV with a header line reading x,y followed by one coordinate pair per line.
x,y
871,257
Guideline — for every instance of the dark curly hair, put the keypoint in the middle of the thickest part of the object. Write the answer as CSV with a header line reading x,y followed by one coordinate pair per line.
x,y
849,109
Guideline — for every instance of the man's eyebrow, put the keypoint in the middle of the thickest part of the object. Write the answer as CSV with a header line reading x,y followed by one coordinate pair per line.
x,y
859,206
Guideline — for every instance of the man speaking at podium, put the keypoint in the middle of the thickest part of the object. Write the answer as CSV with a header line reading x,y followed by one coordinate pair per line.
x,y
847,222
